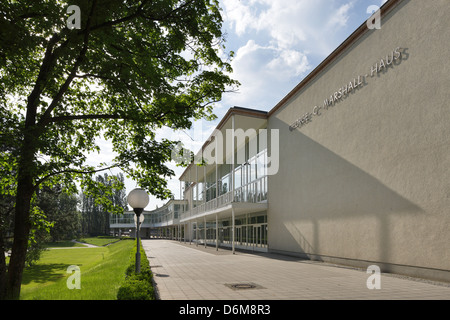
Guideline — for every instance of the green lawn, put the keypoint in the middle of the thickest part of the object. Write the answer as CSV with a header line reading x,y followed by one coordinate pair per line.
x,y
63,244
102,271
99,241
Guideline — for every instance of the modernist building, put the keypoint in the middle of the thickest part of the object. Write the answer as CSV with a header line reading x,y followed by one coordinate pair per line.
x,y
351,167
161,222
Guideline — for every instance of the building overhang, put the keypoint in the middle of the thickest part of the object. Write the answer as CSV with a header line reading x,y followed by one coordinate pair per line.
x,y
226,211
243,119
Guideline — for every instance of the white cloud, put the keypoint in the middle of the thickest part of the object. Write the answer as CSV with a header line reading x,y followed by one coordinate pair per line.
x,y
340,18
262,72
278,41
289,63
289,23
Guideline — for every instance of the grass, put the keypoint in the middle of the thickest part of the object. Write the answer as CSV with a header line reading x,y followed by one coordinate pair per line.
x,y
102,273
99,241
63,244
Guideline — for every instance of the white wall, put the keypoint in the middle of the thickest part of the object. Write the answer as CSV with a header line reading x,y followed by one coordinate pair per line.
x,y
369,179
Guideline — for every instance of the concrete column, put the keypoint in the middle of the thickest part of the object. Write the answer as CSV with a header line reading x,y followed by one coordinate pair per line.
x,y
232,230
204,185
217,177
190,194
196,189
232,158
217,233
204,229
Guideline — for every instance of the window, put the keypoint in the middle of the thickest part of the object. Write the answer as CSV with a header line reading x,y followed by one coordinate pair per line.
x,y
261,164
200,190
194,196
252,168
225,184
211,186
238,177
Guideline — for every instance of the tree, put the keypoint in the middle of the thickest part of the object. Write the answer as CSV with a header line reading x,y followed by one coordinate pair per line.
x,y
54,216
60,209
132,67
40,234
95,215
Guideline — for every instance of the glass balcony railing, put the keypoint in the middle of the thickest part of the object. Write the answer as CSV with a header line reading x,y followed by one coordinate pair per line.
x,y
253,192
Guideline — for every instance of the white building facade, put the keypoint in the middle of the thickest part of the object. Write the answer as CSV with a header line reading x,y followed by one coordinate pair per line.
x,y
351,167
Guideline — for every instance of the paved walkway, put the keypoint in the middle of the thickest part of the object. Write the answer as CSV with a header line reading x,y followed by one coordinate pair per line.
x,y
187,272
85,245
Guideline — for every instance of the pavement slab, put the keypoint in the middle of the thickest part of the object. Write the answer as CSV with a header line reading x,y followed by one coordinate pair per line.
x,y
184,271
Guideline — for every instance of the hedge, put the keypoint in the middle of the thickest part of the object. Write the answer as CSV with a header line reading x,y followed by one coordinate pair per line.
x,y
137,286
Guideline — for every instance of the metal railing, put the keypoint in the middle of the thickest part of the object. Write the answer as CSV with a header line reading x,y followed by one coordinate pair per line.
x,y
253,192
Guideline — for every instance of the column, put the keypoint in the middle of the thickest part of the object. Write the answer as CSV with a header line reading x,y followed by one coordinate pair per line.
x,y
247,227
217,177
204,229
204,185
190,194
196,189
232,158
217,233
232,229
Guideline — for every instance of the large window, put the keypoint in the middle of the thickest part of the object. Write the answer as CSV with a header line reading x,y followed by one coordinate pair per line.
x,y
200,194
250,231
211,186
225,184
194,196
251,180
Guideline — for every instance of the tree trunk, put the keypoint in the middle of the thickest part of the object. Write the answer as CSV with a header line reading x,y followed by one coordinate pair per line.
x,y
19,248
3,275
22,223
21,234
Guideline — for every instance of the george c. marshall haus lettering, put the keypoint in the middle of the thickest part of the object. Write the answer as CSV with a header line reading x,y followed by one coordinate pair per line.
x,y
344,91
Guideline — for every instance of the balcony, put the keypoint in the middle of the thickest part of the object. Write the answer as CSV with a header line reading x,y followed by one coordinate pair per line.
x,y
167,215
248,198
126,220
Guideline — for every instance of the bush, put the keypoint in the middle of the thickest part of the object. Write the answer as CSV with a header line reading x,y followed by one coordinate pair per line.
x,y
137,286
135,290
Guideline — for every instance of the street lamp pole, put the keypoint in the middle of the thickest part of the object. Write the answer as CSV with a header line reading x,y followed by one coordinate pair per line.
x,y
138,212
138,199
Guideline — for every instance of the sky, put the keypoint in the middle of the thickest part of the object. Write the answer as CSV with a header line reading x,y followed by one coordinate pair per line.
x,y
276,43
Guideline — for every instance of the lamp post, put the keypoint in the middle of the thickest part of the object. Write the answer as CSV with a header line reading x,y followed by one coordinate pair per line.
x,y
138,199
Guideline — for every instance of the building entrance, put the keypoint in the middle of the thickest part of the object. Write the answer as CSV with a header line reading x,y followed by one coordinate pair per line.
x,y
258,234
250,232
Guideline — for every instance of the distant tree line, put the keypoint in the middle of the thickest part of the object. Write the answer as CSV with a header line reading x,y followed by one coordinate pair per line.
x,y
94,213
58,214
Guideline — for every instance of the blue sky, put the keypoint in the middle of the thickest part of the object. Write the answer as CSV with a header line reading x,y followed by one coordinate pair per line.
x,y
276,44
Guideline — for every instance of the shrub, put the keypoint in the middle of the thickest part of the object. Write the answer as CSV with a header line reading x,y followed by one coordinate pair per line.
x,y
137,286
134,289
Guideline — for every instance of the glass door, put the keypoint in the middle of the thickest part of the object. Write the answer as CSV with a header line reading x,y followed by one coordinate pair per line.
x,y
259,235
